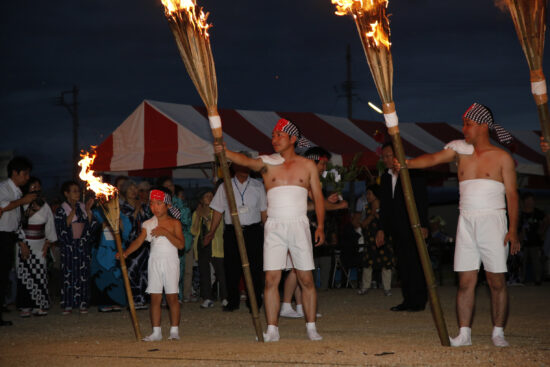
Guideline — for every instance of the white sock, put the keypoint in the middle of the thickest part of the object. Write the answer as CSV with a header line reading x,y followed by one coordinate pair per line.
x,y
312,331
155,336
271,334
286,307
174,333
288,311
498,331
299,309
463,338
498,337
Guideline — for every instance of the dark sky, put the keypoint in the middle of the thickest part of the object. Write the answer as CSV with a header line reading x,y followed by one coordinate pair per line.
x,y
282,55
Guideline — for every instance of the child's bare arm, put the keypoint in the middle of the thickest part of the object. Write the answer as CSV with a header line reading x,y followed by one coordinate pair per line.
x,y
134,245
174,234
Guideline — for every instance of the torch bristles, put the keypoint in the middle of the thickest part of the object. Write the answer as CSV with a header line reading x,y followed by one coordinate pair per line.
x,y
191,33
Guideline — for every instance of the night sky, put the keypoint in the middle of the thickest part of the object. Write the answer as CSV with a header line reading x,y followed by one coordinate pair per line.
x,y
282,55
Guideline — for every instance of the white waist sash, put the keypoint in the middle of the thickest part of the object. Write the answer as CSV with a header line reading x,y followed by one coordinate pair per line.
x,y
481,194
286,201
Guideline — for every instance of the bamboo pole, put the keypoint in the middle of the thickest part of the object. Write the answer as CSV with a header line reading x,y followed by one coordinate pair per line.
x,y
190,29
373,28
529,18
218,138
111,210
431,285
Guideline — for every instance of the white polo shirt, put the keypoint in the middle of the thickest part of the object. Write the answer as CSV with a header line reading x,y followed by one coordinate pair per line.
x,y
250,198
9,221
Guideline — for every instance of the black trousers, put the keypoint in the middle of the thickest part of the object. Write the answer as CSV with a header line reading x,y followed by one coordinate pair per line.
x,y
8,241
254,243
204,260
409,268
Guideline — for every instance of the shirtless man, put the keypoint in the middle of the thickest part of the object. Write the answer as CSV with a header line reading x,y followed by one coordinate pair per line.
x,y
486,175
287,178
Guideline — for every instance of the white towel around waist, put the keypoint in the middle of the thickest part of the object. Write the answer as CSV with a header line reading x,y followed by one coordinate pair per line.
x,y
286,201
481,194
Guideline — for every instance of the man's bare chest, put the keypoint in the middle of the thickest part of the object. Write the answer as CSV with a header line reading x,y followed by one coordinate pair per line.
x,y
286,175
475,167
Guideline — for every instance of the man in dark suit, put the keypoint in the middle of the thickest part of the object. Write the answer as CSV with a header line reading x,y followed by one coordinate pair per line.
x,y
395,223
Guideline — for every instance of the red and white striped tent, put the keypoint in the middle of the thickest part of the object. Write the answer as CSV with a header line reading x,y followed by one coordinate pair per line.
x,y
158,137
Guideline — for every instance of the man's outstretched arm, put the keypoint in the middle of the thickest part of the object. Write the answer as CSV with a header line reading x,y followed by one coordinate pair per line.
x,y
240,159
433,159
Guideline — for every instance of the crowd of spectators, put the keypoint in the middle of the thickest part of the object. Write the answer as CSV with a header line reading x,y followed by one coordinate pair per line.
x,y
65,249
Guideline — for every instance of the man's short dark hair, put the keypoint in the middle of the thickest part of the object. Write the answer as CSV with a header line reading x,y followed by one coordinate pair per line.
x,y
318,152
527,195
388,144
18,164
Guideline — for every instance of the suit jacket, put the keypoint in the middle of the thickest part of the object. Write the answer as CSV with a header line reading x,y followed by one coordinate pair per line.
x,y
393,211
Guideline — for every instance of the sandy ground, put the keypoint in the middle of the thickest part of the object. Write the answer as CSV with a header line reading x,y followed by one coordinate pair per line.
x,y
357,330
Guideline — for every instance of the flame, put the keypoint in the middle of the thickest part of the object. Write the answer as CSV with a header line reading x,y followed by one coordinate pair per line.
x,y
378,35
188,7
374,10
96,184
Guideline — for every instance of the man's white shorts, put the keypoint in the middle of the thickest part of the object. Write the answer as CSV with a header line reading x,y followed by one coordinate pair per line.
x,y
287,235
163,272
480,238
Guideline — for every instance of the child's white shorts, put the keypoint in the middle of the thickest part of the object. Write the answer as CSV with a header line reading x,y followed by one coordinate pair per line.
x,y
287,235
480,238
163,272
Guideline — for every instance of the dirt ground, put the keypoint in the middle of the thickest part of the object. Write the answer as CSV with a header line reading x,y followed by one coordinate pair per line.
x,y
357,330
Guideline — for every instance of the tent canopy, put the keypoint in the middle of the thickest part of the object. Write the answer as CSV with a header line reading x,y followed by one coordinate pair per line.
x,y
161,136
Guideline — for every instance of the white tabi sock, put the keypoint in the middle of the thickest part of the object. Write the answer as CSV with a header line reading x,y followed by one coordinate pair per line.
x,y
271,334
286,307
156,336
498,337
288,311
464,337
174,333
312,331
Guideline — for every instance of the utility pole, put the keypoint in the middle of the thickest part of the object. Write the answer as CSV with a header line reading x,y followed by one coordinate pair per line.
x,y
348,86
73,110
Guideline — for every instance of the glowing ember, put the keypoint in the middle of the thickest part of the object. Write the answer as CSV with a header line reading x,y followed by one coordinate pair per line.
x,y
197,18
96,184
371,11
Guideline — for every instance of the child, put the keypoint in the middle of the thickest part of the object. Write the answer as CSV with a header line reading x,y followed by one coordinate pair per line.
x,y
166,237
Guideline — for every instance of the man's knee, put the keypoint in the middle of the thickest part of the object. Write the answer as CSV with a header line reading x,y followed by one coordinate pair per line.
x,y
496,281
467,281
305,278
272,279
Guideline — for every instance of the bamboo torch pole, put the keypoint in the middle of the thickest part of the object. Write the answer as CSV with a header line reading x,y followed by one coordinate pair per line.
x,y
112,213
107,196
373,27
218,138
190,29
529,18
